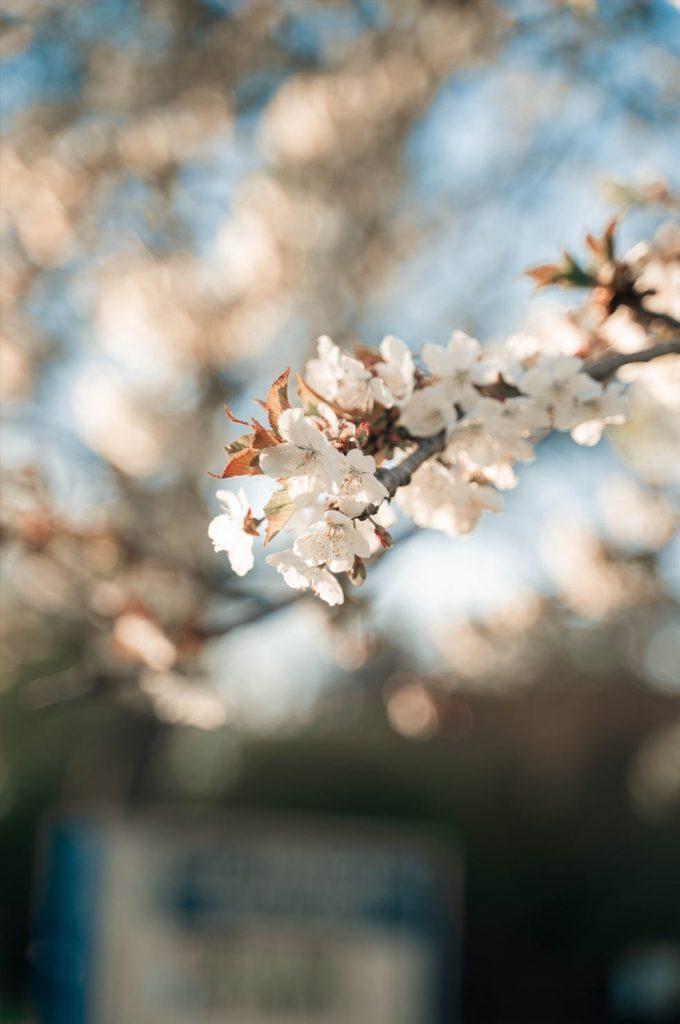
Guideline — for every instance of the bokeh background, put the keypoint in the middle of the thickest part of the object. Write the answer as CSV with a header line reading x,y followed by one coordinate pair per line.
x,y
192,192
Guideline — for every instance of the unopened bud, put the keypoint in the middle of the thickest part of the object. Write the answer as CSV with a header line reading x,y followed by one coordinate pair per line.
x,y
357,574
383,535
363,433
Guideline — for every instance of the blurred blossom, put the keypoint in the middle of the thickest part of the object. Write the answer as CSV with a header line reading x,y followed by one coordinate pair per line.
x,y
44,584
140,638
654,776
651,438
176,132
661,273
36,201
556,331
660,378
660,659
346,638
15,372
635,517
144,318
588,579
316,117
108,598
115,425
182,701
622,331
497,653
410,709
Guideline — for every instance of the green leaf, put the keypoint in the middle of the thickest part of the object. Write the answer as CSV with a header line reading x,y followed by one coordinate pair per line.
x,y
278,511
242,442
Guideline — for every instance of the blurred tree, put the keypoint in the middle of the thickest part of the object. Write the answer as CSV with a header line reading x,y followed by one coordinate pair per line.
x,y
191,191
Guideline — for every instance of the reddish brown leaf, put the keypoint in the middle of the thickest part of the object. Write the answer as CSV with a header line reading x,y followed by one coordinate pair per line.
x,y
311,400
277,399
596,246
244,463
544,274
233,419
264,438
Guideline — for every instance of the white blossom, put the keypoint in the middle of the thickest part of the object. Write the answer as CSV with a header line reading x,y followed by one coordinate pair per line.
x,y
360,487
444,499
557,385
458,368
305,459
662,277
493,436
227,532
307,509
300,576
428,412
521,352
486,437
344,380
512,418
334,541
623,332
396,369
609,406
660,379
332,425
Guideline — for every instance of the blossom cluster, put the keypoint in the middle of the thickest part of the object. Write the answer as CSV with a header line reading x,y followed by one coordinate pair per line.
x,y
331,458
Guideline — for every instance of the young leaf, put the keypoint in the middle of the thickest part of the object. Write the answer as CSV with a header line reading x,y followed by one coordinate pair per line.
x,y
244,441
244,463
545,274
574,275
311,400
596,246
233,419
277,399
263,438
278,511
609,237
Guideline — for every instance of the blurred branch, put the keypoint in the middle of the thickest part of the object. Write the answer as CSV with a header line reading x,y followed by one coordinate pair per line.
x,y
649,317
606,367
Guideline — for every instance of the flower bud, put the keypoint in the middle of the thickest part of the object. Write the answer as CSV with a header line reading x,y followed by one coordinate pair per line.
x,y
363,434
357,574
383,535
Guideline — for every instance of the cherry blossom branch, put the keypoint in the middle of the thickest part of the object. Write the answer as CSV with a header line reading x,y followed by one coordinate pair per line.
x,y
314,450
400,475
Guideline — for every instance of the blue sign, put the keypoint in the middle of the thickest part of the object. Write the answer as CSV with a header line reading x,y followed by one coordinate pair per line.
x,y
252,920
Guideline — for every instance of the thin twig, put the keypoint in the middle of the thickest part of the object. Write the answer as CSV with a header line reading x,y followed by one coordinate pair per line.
x,y
401,474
